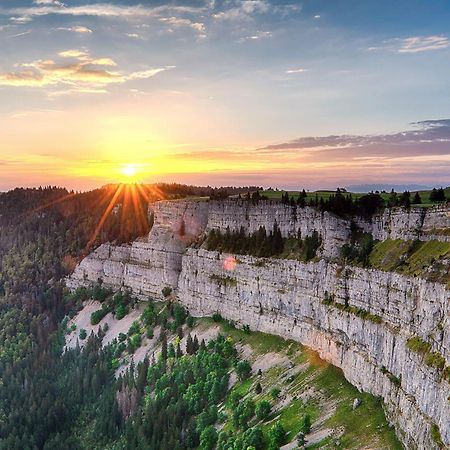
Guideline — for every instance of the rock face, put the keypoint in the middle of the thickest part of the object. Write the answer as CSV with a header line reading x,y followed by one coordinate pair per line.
x,y
409,224
286,297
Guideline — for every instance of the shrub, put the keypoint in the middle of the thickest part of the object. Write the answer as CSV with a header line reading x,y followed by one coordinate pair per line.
x,y
418,345
166,291
243,369
134,328
150,333
83,334
98,315
277,434
121,311
305,424
217,317
436,360
122,337
190,321
275,392
134,342
263,409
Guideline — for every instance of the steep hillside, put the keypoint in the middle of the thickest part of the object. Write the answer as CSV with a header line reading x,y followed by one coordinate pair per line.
x,y
286,384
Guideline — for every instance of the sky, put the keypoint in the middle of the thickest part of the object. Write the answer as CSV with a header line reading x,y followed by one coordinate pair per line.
x,y
282,93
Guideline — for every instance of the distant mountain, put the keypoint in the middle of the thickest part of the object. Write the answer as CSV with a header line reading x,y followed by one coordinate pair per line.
x,y
389,187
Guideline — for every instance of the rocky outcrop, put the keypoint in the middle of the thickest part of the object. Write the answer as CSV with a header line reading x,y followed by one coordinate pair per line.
x,y
409,224
355,318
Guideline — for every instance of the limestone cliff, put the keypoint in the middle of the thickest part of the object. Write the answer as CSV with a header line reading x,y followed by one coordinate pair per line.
x,y
358,319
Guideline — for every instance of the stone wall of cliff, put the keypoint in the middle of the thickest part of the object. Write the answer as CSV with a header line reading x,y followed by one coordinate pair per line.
x,y
355,318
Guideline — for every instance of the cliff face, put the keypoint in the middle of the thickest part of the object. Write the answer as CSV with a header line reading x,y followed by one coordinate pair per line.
x,y
415,223
286,298
362,326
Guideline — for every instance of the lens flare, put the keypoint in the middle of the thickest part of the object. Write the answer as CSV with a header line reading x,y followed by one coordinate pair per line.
x,y
230,263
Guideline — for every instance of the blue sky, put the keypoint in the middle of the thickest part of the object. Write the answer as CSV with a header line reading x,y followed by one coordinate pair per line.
x,y
211,83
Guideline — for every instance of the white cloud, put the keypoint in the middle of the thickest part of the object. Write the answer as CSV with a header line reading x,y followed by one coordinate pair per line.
x,y
82,73
98,10
178,22
20,34
414,44
20,20
74,53
292,71
317,16
243,10
418,44
133,35
75,29
258,35
49,2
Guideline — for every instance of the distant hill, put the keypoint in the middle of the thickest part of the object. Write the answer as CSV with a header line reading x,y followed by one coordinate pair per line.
x,y
389,187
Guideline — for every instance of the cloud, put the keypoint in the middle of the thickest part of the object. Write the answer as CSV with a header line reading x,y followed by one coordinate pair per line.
x,y
414,44
82,73
431,137
75,29
243,10
20,34
258,35
423,44
20,20
182,22
317,16
293,71
45,8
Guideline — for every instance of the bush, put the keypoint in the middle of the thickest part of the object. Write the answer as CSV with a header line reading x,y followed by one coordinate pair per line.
x,y
134,342
217,317
263,409
83,334
98,315
277,434
275,392
305,424
436,360
417,344
121,311
166,291
122,337
190,321
134,329
150,333
243,369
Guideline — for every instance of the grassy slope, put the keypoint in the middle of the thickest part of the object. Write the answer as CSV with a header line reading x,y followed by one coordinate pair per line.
x,y
314,387
411,258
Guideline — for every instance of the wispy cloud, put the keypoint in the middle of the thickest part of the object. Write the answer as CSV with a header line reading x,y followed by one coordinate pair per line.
x,y
423,44
258,35
427,137
25,33
82,73
75,29
296,70
45,8
414,44
183,22
243,10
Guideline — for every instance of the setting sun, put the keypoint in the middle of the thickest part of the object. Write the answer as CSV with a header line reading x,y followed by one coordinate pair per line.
x,y
129,170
